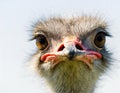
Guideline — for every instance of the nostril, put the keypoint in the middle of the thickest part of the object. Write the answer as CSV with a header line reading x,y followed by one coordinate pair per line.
x,y
61,47
78,46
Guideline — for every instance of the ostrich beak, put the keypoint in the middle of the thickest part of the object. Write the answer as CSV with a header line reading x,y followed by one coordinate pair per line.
x,y
71,51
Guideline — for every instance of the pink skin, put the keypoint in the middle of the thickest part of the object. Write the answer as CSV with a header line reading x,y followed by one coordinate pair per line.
x,y
57,57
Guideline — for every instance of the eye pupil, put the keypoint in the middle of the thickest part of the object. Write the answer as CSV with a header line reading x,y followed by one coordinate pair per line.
x,y
99,38
42,40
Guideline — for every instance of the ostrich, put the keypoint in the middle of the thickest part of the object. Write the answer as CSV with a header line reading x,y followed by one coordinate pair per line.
x,y
71,53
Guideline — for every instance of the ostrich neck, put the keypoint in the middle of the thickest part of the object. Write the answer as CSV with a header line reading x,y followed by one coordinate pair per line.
x,y
73,78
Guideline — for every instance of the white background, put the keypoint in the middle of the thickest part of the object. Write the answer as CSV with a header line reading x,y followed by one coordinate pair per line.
x,y
16,19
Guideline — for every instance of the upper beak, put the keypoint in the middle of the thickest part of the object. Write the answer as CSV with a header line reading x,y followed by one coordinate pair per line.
x,y
71,49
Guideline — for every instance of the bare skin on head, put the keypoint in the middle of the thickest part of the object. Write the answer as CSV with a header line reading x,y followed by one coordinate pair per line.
x,y
71,52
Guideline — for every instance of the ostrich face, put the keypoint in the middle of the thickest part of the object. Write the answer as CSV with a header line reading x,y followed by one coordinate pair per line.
x,y
71,52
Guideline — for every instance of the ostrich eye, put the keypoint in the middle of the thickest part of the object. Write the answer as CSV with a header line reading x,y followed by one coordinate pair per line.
x,y
41,42
99,40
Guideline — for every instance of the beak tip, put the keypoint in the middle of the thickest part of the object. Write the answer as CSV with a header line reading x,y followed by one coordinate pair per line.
x,y
71,54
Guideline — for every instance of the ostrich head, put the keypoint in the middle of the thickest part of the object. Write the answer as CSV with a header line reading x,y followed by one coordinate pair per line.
x,y
71,52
